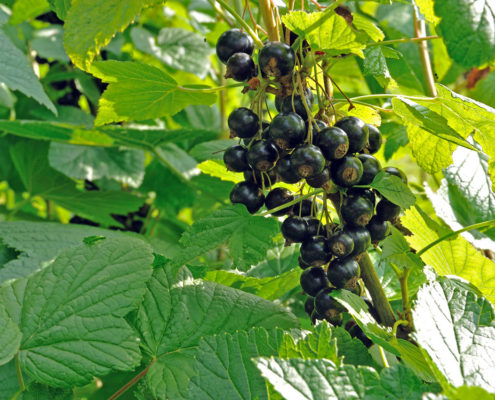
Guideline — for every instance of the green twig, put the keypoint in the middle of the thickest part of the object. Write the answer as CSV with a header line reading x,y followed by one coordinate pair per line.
x,y
18,370
403,278
132,382
419,30
403,40
208,89
383,357
295,201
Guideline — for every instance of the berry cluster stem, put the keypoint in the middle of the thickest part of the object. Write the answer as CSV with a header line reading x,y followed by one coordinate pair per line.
x,y
419,30
269,18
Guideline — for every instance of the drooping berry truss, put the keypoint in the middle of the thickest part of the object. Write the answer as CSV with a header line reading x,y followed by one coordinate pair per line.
x,y
233,41
262,155
356,210
347,171
371,167
240,67
298,104
307,161
243,123
287,130
315,252
356,132
249,194
374,139
235,159
313,280
278,197
333,143
276,59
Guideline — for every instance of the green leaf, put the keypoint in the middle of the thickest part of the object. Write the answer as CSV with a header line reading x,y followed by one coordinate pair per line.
x,y
60,7
217,169
48,43
366,25
9,385
17,74
71,312
450,257
334,35
457,330
279,259
351,349
393,189
224,366
395,249
26,9
298,379
139,91
10,337
268,288
248,237
485,90
87,162
178,311
91,24
375,65
176,47
468,30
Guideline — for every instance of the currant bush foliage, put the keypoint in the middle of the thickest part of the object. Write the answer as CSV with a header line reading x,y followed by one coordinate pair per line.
x,y
125,271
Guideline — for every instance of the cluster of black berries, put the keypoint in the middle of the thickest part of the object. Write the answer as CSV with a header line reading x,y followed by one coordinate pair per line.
x,y
296,147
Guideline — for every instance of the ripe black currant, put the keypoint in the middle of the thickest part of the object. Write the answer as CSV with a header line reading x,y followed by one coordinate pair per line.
x,y
276,59
295,229
295,104
371,167
320,180
347,171
326,305
313,280
307,161
341,244
262,155
315,251
309,305
314,227
235,158
240,67
356,332
278,197
303,264
287,130
233,41
333,143
243,123
265,179
378,228
278,103
374,139
249,194
356,210
397,172
386,210
284,170
342,270
356,132
361,238
368,193
304,208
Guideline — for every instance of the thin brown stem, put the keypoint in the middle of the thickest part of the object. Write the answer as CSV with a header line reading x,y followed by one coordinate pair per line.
x,y
420,32
406,308
269,19
132,382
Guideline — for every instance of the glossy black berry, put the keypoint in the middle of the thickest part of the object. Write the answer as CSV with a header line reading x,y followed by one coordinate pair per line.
x,y
243,123
320,180
314,227
347,171
371,167
333,143
233,41
287,130
342,270
278,197
325,302
296,104
397,172
276,59
386,210
265,179
356,332
240,67
309,305
315,251
303,264
356,210
304,208
356,132
262,155
307,161
284,170
361,238
378,229
374,140
313,280
235,158
369,194
249,194
341,244
295,229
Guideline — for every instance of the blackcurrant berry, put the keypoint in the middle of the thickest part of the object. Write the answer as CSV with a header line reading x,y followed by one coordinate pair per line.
x,y
342,270
361,238
313,280
233,41
320,180
309,305
397,172
296,104
276,59
287,130
265,179
378,228
249,194
243,123
386,210
303,264
278,103
357,332
235,158
347,171
356,132
374,139
304,208
371,167
333,143
356,210
324,302
240,67
314,227
341,244
262,155
369,194
315,251
317,126
307,161
284,170
278,197
295,229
